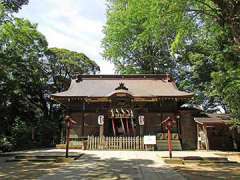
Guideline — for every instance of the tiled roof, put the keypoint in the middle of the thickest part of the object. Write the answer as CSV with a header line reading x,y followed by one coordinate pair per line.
x,y
137,85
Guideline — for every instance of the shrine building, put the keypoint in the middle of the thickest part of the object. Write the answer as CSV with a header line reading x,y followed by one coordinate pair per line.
x,y
118,111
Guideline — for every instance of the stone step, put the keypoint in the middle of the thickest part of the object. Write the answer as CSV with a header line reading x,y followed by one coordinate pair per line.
x,y
63,146
201,160
42,156
30,160
162,145
205,158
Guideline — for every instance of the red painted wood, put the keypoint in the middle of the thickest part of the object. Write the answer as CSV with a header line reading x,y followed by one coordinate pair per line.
x,y
170,142
128,131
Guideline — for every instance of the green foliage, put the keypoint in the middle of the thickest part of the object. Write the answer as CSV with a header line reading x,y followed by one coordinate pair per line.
x,y
130,42
13,5
197,41
20,134
22,72
64,64
28,73
235,122
227,85
5,145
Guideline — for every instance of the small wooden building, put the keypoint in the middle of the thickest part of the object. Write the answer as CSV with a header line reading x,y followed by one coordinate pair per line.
x,y
128,106
213,133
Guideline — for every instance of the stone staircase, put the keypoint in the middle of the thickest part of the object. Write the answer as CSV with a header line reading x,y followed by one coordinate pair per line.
x,y
162,145
198,160
38,158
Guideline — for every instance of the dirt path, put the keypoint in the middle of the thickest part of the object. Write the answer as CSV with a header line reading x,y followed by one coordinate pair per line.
x,y
116,165
142,165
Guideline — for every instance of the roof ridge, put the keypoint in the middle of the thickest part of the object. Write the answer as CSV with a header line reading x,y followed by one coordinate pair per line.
x,y
126,76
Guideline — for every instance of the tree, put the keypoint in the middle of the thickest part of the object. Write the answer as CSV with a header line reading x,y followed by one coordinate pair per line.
x,y
22,74
65,64
200,39
8,7
62,66
29,73
128,44
13,5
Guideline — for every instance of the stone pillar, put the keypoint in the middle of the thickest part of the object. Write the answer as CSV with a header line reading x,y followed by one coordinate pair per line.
x,y
188,130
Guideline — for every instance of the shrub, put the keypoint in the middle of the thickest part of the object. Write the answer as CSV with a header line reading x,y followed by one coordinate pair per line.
x,y
5,145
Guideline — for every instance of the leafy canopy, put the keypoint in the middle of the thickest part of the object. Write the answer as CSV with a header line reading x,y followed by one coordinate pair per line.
x,y
197,41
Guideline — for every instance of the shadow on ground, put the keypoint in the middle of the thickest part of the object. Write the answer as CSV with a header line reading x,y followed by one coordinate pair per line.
x,y
92,166
26,170
209,171
89,166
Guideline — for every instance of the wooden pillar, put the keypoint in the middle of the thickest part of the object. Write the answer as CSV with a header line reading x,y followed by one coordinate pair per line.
x,y
67,138
124,131
206,134
113,126
132,123
128,131
83,118
101,130
141,130
198,138
162,128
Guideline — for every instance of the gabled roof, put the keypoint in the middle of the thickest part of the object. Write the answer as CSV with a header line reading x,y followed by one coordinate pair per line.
x,y
137,85
207,120
213,118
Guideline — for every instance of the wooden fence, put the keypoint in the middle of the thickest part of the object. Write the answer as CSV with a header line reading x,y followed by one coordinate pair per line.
x,y
116,143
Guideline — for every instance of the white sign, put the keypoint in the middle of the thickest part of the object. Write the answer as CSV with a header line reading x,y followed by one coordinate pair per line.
x,y
149,139
141,120
100,120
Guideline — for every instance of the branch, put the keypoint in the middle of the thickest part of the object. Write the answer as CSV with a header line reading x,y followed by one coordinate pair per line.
x,y
199,11
210,7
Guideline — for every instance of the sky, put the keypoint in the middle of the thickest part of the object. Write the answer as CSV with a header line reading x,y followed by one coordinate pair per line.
x,y
72,24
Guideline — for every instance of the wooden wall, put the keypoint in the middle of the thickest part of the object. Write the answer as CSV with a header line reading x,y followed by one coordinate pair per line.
x,y
220,138
154,114
90,124
152,124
